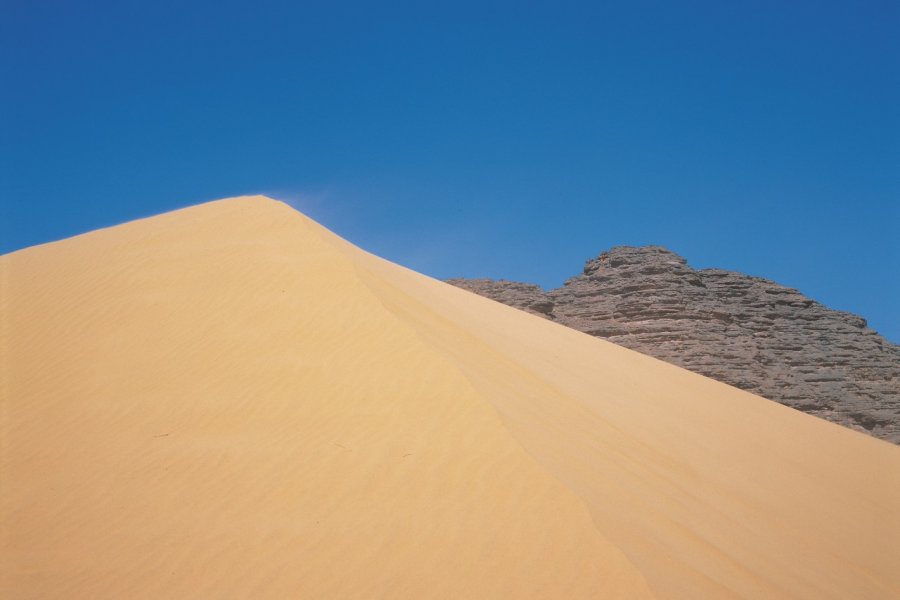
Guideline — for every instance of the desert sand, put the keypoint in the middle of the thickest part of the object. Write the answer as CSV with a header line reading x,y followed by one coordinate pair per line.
x,y
230,401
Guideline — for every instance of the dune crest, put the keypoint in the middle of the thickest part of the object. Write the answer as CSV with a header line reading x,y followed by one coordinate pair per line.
x,y
230,401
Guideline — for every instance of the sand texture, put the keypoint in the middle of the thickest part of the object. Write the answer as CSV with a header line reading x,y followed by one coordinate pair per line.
x,y
229,401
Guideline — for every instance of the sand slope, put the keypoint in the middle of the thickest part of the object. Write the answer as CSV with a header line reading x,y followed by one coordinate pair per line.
x,y
229,401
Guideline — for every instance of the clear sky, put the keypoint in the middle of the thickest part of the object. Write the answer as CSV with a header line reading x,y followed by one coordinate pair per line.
x,y
488,139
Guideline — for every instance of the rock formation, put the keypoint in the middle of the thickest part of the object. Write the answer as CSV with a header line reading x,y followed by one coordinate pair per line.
x,y
746,331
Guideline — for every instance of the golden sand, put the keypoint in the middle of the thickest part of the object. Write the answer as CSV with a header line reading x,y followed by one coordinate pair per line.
x,y
229,401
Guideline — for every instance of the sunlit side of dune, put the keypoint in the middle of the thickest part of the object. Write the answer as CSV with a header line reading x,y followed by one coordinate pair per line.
x,y
229,401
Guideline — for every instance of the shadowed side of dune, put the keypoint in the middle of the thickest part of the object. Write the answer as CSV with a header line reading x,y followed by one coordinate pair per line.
x,y
710,490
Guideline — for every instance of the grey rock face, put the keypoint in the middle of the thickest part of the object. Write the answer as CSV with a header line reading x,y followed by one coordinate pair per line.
x,y
746,331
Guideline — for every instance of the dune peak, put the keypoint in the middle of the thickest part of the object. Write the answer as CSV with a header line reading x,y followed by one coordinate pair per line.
x,y
231,401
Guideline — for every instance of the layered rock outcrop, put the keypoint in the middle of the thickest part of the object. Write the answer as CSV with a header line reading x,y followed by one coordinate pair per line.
x,y
746,331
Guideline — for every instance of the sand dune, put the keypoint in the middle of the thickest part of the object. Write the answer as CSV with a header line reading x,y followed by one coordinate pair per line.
x,y
229,401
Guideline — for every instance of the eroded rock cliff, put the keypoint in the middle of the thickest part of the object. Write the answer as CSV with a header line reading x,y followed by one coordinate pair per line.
x,y
746,331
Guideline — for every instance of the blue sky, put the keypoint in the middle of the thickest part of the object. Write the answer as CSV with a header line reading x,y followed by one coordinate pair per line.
x,y
487,139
